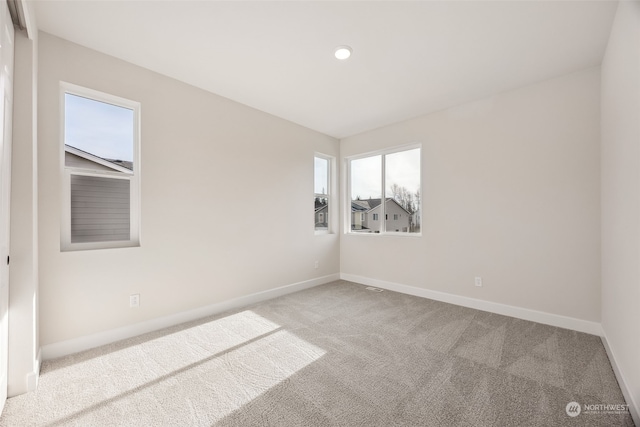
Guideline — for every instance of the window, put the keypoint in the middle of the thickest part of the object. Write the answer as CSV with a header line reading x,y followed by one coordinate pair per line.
x,y
322,194
100,163
386,183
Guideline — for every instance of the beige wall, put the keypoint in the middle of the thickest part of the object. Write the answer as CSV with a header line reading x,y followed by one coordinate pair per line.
x,y
510,192
215,176
621,195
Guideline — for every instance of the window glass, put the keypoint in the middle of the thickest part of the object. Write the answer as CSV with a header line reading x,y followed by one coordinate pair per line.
x,y
321,193
398,172
100,175
100,129
402,188
100,209
366,191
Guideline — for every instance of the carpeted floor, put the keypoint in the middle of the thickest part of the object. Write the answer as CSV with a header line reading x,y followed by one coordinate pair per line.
x,y
333,355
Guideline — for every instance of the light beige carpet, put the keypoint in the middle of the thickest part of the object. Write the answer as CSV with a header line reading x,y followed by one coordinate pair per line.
x,y
333,355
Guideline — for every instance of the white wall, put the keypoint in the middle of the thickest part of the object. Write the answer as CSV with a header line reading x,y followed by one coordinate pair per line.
x,y
511,189
621,198
216,178
510,193
23,282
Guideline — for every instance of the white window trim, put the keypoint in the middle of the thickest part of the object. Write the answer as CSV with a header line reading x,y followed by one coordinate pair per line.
x,y
66,172
331,191
347,192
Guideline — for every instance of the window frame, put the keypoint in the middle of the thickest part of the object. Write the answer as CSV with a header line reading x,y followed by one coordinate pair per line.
x,y
330,193
67,171
383,211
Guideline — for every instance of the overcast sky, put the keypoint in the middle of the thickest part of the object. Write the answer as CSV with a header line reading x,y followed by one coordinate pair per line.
x,y
402,168
98,128
321,168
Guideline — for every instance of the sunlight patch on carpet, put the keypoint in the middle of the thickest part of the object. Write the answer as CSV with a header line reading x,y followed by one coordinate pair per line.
x,y
211,369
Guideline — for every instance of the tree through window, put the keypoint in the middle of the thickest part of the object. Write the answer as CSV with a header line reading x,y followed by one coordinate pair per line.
x,y
398,173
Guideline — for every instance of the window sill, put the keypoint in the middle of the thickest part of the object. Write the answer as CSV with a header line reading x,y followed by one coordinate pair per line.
x,y
74,247
388,234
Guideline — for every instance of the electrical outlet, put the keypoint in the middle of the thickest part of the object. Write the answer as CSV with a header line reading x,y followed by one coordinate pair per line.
x,y
134,300
317,264
478,281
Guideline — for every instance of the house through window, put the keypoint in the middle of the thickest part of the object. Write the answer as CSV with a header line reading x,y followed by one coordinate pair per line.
x,y
386,183
101,174
322,182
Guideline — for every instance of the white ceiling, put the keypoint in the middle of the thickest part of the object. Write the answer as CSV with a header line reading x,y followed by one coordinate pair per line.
x,y
409,58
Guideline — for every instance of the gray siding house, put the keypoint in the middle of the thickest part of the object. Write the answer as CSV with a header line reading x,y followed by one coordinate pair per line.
x,y
366,216
321,215
100,203
359,210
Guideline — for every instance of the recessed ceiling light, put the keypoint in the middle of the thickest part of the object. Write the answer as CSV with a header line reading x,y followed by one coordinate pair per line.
x,y
342,52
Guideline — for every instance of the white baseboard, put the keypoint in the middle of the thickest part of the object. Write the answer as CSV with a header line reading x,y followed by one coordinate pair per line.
x,y
634,409
63,348
579,325
30,380
33,377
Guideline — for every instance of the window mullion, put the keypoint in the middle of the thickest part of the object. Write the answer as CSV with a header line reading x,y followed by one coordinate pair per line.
x,y
383,219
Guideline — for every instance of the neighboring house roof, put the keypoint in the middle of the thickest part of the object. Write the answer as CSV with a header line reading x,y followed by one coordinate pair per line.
x,y
360,205
117,165
319,203
369,204
374,203
124,163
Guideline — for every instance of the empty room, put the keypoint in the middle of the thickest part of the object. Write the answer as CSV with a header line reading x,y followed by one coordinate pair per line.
x,y
471,256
